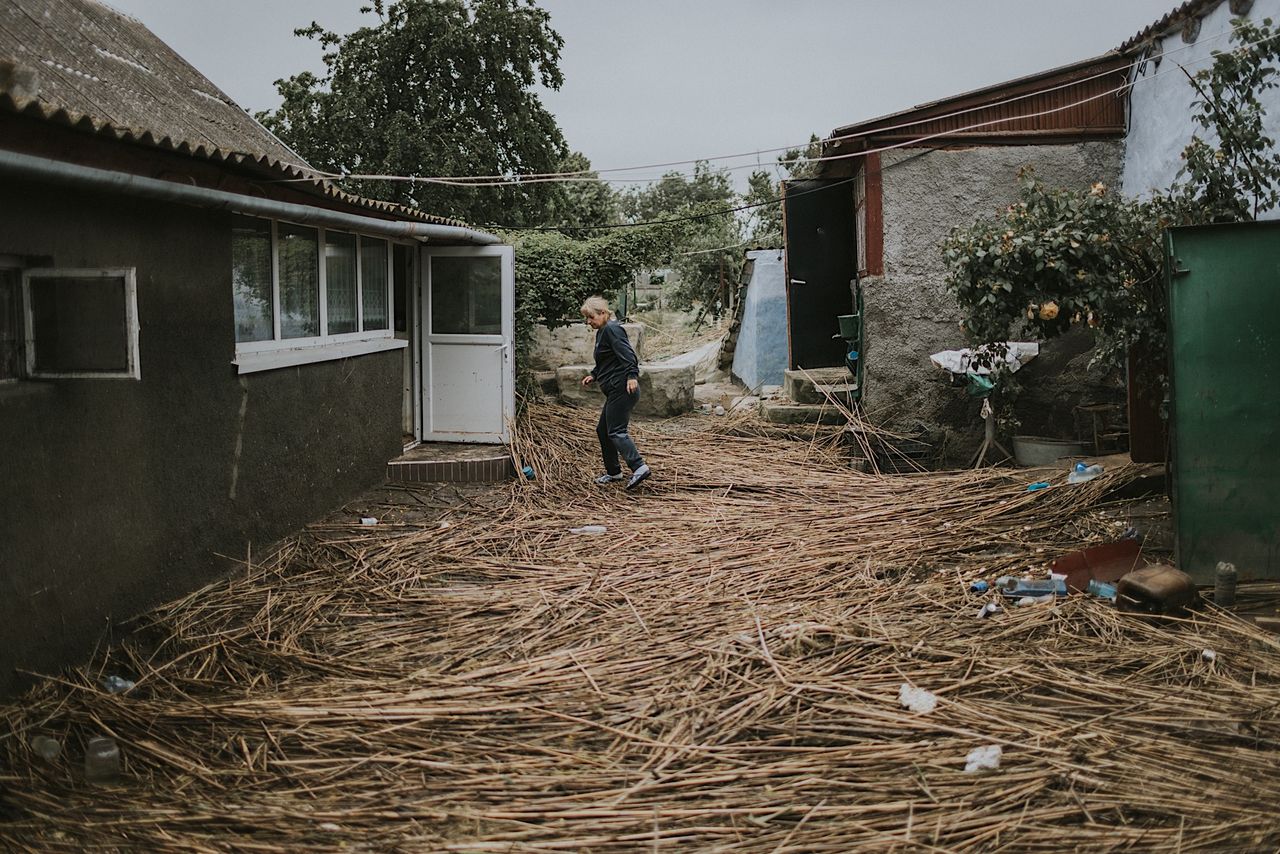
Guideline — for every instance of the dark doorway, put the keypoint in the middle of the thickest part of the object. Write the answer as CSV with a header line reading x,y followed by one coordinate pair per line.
x,y
818,225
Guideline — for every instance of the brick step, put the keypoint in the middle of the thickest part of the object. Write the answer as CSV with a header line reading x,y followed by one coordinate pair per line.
x,y
473,470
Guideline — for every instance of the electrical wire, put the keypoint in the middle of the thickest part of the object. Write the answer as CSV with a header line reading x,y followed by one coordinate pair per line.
x,y
593,174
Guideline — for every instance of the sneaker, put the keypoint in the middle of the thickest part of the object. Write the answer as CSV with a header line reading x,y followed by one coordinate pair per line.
x,y
606,478
638,475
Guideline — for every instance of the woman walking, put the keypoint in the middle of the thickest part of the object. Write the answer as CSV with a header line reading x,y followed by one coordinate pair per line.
x,y
617,372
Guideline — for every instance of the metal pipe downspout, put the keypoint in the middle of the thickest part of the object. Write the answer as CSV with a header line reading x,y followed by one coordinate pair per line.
x,y
69,174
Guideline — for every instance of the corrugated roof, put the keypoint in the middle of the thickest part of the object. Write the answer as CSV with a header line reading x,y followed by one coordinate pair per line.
x,y
84,65
1036,114
1171,21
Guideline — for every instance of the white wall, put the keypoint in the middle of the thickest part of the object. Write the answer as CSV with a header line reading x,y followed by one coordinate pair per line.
x,y
1160,124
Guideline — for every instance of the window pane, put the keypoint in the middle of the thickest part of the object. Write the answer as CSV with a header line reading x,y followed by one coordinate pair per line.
x,y
466,296
373,282
401,269
79,325
10,325
340,281
299,281
251,278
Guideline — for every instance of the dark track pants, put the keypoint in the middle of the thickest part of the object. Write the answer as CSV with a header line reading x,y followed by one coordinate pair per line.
x,y
612,431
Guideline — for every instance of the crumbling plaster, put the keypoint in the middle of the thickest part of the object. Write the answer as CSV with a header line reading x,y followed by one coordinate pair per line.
x,y
909,312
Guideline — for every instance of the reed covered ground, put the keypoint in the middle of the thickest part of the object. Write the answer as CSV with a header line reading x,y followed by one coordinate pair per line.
x,y
720,671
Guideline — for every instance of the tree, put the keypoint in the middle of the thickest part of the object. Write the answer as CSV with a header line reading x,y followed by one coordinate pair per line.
x,y
583,201
438,87
765,220
705,251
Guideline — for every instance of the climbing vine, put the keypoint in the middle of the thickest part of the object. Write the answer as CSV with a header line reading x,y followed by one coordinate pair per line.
x,y
1061,257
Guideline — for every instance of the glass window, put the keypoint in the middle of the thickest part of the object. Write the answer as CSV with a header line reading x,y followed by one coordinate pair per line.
x,y
373,282
251,279
401,267
80,324
299,281
466,296
340,281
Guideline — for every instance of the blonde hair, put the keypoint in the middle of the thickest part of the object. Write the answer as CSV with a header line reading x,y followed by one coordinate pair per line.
x,y
595,305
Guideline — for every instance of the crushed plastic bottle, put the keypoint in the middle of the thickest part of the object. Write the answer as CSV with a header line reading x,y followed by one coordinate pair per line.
x,y
589,529
45,747
1038,485
116,684
1016,588
1102,589
1082,473
101,760
989,610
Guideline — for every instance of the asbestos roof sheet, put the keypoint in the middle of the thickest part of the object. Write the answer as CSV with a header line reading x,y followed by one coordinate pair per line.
x,y
82,64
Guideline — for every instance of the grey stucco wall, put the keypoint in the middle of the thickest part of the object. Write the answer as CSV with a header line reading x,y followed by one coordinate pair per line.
x,y
909,312
1160,124
760,354
120,494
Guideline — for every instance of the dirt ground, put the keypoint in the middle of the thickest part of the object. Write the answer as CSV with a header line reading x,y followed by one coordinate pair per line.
x,y
765,651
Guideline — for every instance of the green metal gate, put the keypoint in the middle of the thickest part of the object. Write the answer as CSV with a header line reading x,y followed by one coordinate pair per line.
x,y
1224,336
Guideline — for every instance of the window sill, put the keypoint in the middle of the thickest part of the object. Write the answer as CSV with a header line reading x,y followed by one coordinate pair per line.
x,y
269,360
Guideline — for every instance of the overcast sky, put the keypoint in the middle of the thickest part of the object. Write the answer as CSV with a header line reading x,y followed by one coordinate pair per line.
x,y
654,81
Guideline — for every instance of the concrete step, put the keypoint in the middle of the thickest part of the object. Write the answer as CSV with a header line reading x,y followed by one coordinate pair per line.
x,y
813,386
789,412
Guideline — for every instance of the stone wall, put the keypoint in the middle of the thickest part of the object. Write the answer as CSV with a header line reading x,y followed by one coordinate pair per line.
x,y
909,312
574,345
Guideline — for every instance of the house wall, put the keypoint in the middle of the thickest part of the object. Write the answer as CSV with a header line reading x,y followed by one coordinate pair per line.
x,y
760,353
1160,124
910,315
120,494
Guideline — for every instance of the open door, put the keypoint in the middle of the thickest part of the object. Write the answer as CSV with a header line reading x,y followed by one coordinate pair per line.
x,y
818,228
468,380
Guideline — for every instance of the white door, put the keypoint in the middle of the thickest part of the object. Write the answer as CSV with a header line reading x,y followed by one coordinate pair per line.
x,y
468,381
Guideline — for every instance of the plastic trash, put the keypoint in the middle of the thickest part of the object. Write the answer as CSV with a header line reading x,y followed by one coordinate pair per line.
x,y
1208,655
979,587
368,520
45,747
1034,600
988,610
589,529
529,473
101,760
917,699
719,410
116,684
1082,472
1102,589
1016,588
1224,585
986,758
1035,487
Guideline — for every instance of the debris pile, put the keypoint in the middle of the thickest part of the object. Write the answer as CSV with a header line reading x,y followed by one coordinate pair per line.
x,y
724,668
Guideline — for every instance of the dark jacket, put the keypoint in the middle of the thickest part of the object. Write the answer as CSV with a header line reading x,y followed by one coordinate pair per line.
x,y
616,362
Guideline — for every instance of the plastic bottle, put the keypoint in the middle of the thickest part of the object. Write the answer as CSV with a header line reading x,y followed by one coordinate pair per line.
x,y
1224,585
45,747
529,473
1082,472
101,760
979,587
1102,590
589,529
116,684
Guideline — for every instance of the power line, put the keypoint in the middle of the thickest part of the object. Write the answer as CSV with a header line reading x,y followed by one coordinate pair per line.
x,y
592,175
